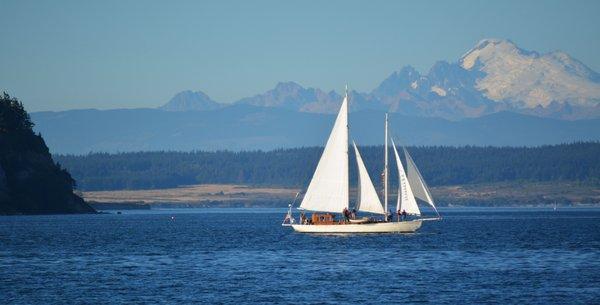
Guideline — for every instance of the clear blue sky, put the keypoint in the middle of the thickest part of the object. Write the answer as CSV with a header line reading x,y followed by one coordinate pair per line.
x,y
57,55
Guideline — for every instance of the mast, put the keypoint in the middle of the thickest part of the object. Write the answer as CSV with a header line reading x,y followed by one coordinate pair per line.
x,y
385,169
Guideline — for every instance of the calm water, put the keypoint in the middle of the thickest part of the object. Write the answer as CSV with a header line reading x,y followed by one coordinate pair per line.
x,y
245,256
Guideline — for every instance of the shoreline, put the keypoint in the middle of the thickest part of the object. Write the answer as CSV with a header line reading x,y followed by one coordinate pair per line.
x,y
155,207
504,194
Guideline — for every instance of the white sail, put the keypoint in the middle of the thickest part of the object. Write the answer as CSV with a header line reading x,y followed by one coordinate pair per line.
x,y
368,201
406,199
328,189
415,179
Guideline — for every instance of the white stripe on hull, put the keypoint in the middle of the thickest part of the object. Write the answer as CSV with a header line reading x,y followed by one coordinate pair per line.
x,y
380,227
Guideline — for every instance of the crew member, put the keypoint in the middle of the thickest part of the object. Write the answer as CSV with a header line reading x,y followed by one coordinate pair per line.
x,y
346,213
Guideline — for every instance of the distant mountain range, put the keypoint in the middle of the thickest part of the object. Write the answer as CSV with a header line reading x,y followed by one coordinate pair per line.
x,y
495,94
494,76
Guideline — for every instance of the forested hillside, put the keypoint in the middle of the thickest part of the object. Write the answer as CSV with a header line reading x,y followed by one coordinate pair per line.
x,y
30,182
293,167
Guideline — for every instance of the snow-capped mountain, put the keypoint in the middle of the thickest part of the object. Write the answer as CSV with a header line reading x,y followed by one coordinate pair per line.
x,y
494,76
528,79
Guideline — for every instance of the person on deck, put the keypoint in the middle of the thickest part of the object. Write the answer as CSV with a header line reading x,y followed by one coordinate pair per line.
x,y
399,213
302,218
353,214
346,213
403,214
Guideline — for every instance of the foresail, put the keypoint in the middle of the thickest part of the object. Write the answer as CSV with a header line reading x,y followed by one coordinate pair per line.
x,y
368,201
406,199
415,179
328,189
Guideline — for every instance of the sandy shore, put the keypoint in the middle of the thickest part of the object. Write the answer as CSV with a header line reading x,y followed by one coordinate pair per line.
x,y
195,194
223,195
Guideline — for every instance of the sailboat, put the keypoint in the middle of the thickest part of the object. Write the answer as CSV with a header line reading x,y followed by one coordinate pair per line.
x,y
328,191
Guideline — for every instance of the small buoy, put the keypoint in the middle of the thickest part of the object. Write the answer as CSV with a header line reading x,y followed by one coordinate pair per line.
x,y
172,217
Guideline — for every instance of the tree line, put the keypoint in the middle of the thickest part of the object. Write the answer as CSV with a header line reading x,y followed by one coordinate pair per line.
x,y
439,165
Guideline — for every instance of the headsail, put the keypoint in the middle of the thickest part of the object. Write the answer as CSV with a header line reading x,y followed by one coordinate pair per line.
x,y
415,179
406,199
328,189
368,201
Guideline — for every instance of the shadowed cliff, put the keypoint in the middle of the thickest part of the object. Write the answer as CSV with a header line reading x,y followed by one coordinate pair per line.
x,y
30,181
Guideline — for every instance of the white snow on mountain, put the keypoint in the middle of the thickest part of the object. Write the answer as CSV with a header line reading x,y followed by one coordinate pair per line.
x,y
517,76
439,91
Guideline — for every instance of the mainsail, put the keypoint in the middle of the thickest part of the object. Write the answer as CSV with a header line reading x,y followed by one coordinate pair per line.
x,y
328,189
406,199
368,201
415,179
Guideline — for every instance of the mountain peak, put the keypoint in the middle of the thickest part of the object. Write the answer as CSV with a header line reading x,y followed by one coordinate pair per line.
x,y
491,48
397,82
190,101
291,95
288,86
494,42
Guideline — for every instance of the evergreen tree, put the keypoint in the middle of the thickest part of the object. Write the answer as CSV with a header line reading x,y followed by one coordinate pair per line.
x,y
30,182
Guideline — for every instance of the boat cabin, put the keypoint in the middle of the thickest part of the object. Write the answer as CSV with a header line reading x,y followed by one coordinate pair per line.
x,y
323,219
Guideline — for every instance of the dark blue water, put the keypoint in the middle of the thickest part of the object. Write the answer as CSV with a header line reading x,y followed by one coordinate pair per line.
x,y
245,256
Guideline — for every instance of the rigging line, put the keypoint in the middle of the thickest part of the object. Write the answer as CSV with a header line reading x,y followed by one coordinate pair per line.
x,y
295,198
